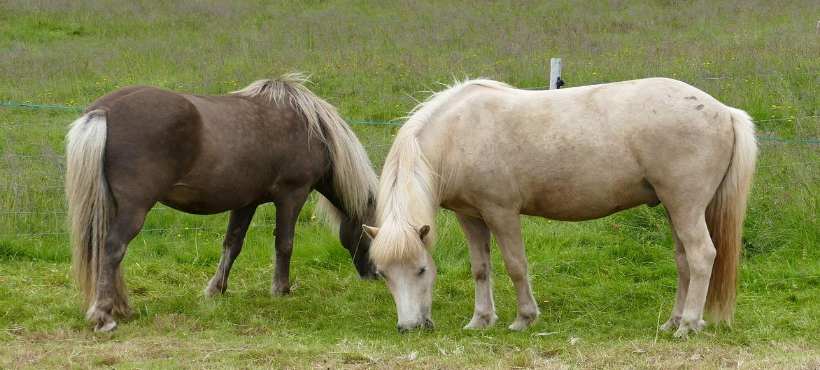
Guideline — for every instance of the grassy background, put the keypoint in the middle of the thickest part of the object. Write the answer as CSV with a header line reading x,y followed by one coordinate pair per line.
x,y
603,286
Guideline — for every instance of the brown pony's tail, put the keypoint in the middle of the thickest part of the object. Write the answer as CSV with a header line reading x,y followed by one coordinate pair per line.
x,y
725,216
89,202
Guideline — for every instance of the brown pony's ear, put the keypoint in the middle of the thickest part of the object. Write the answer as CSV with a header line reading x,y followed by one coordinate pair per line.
x,y
424,231
370,231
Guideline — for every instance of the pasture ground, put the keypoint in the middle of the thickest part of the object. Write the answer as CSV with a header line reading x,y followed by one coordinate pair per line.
x,y
603,286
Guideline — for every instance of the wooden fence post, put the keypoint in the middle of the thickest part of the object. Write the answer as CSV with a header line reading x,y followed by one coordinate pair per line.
x,y
555,73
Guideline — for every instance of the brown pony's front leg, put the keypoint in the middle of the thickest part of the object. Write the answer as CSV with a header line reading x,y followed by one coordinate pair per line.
x,y
287,212
234,238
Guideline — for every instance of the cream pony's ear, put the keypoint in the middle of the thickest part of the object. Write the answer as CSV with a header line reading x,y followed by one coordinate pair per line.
x,y
370,231
424,231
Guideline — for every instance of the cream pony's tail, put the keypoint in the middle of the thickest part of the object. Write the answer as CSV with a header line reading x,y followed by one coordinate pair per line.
x,y
725,216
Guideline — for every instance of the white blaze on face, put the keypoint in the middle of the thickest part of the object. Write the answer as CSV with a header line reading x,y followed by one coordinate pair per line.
x,y
411,284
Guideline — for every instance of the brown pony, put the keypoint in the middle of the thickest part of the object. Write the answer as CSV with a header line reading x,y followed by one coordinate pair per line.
x,y
274,141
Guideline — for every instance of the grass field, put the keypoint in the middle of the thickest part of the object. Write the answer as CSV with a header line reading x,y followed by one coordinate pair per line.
x,y
603,286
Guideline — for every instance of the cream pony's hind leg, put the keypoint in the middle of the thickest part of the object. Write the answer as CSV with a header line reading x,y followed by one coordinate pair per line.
x,y
478,238
683,282
690,225
507,229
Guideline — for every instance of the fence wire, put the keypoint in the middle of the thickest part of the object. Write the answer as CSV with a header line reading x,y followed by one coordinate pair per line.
x,y
32,204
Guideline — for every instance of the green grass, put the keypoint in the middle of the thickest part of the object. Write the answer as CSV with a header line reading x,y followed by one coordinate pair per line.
x,y
607,282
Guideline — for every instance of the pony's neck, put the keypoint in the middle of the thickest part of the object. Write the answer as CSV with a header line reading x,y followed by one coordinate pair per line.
x,y
408,191
332,206
410,188
347,225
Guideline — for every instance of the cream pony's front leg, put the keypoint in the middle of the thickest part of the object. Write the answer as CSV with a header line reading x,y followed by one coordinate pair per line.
x,y
478,238
506,225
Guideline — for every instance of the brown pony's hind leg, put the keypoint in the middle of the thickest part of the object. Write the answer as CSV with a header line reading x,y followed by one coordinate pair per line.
x,y
683,281
111,298
232,245
287,211
478,239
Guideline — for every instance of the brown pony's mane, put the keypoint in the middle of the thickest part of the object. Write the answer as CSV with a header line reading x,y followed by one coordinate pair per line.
x,y
354,179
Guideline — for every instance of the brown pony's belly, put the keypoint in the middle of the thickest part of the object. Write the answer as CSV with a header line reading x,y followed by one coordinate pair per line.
x,y
200,201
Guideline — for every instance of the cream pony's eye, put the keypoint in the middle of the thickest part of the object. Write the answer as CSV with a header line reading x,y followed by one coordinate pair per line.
x,y
421,271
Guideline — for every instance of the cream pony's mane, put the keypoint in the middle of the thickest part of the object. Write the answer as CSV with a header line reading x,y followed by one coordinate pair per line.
x,y
408,193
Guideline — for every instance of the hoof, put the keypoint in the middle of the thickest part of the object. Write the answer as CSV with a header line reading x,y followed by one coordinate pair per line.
x,y
106,327
213,290
480,321
103,321
687,326
280,291
522,322
672,323
426,324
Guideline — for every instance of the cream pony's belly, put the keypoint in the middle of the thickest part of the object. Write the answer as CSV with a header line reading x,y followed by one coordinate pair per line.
x,y
578,200
577,206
